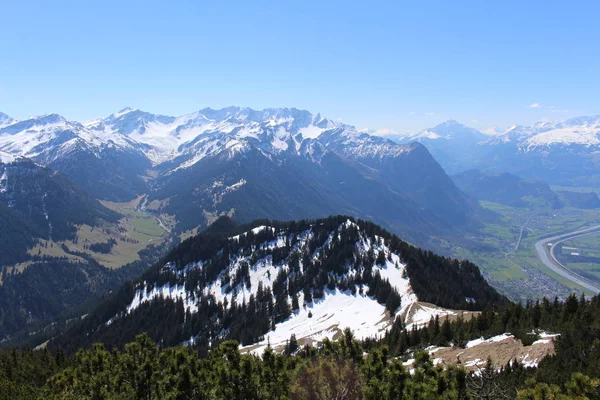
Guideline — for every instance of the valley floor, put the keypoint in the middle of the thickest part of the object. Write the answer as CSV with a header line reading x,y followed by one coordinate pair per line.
x,y
510,261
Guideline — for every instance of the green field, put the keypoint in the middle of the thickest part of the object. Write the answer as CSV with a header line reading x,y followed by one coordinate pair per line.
x,y
588,245
585,246
147,226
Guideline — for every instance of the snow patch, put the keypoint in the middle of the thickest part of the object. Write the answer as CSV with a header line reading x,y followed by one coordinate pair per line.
x,y
493,339
330,315
7,158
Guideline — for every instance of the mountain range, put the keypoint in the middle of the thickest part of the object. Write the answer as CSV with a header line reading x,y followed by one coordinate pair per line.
x,y
560,152
273,163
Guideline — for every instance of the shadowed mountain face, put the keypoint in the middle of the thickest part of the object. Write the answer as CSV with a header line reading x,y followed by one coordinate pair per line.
x,y
514,191
507,189
276,163
39,203
42,207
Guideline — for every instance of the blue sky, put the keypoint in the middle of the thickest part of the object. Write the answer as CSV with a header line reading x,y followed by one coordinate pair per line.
x,y
379,65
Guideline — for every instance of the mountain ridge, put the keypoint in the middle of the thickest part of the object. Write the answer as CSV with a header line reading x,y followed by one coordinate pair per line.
x,y
297,267
563,153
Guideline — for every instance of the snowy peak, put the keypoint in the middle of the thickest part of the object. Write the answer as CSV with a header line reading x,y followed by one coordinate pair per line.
x,y
5,119
580,131
448,133
190,138
39,123
41,135
451,130
277,115
350,142
128,121
293,120
122,112
51,137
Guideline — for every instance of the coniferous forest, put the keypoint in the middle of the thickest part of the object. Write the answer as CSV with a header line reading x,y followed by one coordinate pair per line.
x,y
342,369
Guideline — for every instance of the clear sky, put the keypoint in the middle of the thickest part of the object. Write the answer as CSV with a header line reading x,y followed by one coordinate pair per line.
x,y
382,65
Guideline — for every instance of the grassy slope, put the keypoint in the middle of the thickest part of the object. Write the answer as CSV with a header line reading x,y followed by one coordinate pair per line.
x,y
133,233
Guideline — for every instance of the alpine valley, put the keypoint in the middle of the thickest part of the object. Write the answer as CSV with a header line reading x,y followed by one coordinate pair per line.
x,y
160,179
275,163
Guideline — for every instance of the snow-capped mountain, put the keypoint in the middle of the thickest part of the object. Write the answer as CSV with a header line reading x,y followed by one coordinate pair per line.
x,y
99,162
45,138
192,136
563,153
560,152
5,119
450,130
451,143
582,131
262,282
278,163
189,138
575,131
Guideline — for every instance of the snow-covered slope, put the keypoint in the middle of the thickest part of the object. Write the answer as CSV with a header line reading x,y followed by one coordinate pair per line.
x,y
108,165
311,279
51,137
194,136
360,145
575,131
581,131
187,139
584,131
184,140
315,319
8,158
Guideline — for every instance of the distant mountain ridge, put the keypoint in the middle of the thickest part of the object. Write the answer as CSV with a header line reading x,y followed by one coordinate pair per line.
x,y
514,191
560,152
507,189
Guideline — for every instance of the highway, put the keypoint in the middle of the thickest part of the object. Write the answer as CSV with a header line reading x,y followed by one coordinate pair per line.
x,y
545,252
